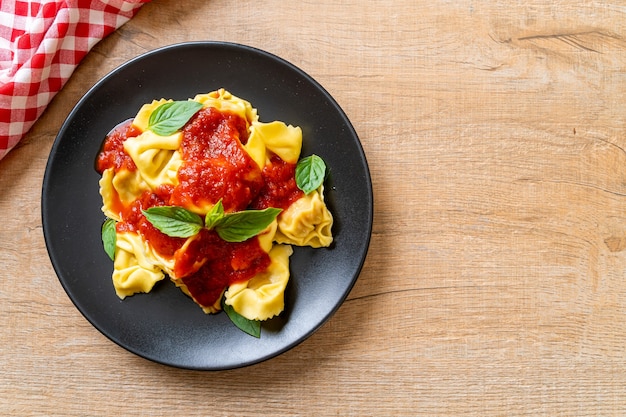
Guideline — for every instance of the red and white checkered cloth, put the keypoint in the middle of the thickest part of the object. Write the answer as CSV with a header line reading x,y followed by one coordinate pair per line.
x,y
41,43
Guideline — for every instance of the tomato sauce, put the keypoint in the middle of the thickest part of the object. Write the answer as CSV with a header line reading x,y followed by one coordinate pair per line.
x,y
209,265
215,166
112,154
133,220
279,185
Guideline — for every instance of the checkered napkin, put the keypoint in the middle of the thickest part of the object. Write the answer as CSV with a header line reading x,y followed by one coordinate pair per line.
x,y
41,43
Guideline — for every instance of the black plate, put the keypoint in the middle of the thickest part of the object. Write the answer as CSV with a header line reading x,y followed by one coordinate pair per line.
x,y
165,326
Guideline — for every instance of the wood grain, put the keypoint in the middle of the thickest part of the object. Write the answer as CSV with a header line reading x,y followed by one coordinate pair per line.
x,y
495,281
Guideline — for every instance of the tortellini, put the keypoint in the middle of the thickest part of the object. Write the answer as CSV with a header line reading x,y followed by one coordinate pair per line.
x,y
134,270
120,190
225,101
307,222
262,297
277,137
144,169
157,157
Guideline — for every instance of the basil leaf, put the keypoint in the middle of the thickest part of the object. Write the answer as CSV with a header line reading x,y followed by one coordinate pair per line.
x,y
310,173
166,119
214,216
174,221
252,327
242,225
109,237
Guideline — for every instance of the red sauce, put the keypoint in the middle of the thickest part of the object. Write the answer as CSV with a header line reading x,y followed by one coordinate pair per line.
x,y
209,265
280,189
215,166
135,221
212,134
112,154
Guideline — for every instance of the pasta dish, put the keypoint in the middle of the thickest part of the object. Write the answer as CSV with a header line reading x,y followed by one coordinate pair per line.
x,y
204,193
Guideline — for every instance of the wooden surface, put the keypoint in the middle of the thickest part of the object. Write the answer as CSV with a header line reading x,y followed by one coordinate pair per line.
x,y
496,278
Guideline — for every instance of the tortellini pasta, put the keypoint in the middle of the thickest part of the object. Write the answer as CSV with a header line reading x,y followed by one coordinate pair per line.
x,y
144,168
225,101
134,270
157,157
119,190
307,222
277,137
262,297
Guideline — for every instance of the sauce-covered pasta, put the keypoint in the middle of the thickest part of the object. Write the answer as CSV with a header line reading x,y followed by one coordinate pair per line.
x,y
204,193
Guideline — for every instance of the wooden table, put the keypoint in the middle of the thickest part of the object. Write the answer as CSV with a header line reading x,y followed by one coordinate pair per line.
x,y
496,278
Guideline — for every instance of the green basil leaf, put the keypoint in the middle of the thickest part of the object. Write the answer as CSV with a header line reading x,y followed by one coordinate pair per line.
x,y
215,215
242,225
310,173
174,221
109,237
252,327
169,117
